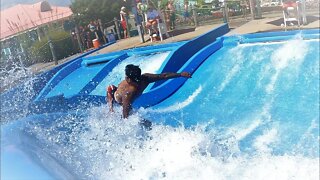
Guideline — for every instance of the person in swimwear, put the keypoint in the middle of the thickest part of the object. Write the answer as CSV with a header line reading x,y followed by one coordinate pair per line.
x,y
133,86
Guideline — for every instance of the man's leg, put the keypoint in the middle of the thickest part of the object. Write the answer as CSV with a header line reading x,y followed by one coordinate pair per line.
x,y
149,28
111,89
155,27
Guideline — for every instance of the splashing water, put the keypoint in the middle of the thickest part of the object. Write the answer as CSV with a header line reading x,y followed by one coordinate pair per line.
x,y
13,76
105,147
22,79
239,122
280,60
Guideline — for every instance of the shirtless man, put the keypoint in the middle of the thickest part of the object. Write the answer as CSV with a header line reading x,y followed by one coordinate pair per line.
x,y
133,86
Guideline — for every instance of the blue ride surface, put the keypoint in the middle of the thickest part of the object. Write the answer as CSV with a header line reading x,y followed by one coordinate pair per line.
x,y
250,111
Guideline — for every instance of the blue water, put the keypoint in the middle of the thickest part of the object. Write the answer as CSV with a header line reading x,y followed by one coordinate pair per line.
x,y
248,112
253,90
73,83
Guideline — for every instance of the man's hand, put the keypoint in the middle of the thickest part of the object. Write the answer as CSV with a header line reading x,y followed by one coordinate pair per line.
x,y
185,74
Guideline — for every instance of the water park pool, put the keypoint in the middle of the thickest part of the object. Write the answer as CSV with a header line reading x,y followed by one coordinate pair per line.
x,y
250,111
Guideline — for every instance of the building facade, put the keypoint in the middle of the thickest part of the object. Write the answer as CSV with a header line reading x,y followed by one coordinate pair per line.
x,y
25,23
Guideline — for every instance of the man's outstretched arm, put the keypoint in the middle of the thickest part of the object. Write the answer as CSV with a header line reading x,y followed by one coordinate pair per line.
x,y
165,76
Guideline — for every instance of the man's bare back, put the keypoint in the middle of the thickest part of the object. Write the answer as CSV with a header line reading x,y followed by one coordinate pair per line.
x,y
133,86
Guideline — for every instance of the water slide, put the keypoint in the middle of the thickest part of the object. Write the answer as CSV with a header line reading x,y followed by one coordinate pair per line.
x,y
251,103
15,102
83,82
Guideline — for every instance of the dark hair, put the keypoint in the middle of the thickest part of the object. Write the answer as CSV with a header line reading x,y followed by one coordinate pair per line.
x,y
133,72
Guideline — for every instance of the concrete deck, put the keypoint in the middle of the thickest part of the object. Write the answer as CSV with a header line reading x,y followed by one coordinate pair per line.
x,y
135,41
238,25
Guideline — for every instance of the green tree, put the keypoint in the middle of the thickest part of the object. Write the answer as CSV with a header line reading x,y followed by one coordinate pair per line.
x,y
200,2
87,10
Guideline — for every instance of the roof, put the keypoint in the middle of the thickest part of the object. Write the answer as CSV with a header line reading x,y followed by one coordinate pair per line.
x,y
23,17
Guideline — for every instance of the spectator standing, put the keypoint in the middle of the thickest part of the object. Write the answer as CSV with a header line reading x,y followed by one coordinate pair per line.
x,y
186,14
140,13
99,31
124,21
244,6
172,14
92,27
88,39
82,37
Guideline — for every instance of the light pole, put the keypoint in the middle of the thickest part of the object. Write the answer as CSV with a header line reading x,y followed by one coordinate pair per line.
x,y
78,38
51,46
52,50
258,9
252,9
224,10
303,11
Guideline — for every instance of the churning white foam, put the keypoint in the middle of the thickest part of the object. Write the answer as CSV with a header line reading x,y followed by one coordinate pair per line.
x,y
104,146
291,53
118,149
263,142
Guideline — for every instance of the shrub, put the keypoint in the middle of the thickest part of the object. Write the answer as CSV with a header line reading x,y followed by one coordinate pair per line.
x,y
62,43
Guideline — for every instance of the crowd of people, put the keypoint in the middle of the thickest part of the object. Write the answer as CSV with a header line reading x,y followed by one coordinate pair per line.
x,y
89,33
147,16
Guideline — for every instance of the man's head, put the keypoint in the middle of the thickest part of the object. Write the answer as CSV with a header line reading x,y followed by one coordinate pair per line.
x,y
133,72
